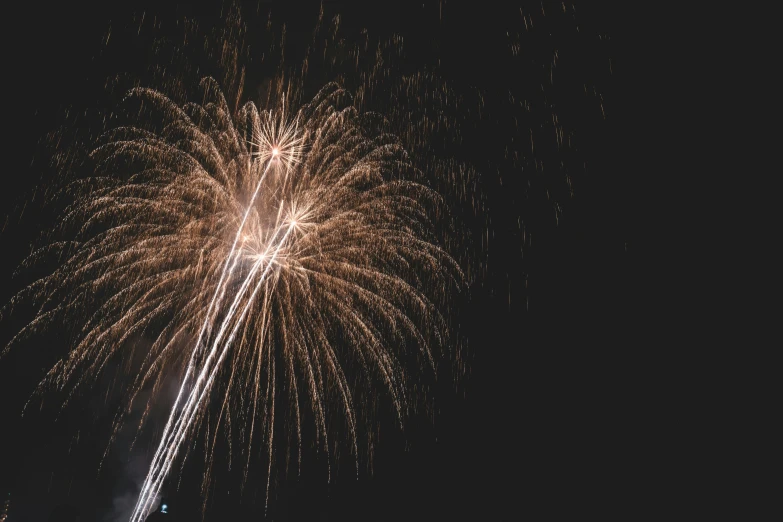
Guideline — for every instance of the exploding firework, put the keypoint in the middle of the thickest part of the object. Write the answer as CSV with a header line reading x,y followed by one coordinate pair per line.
x,y
277,252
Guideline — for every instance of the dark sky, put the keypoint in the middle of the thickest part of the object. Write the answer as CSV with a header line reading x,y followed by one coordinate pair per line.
x,y
554,418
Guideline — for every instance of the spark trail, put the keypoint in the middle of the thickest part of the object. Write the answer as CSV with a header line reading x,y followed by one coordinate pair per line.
x,y
272,141
169,446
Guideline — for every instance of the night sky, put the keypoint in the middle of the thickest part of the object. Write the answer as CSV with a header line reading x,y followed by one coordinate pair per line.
x,y
554,417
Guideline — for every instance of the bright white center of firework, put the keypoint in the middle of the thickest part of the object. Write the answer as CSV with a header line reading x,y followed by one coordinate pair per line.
x,y
275,151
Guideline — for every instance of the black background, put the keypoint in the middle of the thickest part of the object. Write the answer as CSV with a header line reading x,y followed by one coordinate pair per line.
x,y
560,414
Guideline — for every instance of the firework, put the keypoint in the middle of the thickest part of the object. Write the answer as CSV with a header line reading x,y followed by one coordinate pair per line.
x,y
270,254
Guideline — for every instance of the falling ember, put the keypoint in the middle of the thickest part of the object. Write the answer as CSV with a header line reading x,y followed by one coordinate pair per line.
x,y
273,258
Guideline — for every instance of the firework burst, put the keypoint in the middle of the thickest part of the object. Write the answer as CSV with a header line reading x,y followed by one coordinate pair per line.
x,y
276,257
